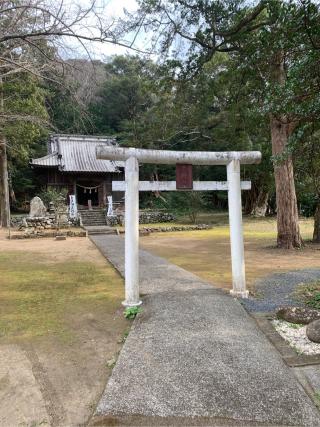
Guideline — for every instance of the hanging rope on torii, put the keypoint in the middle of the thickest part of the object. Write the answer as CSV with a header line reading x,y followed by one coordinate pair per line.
x,y
184,181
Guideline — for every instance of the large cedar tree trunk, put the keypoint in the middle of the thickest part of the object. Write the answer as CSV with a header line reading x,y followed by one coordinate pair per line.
x,y
287,210
4,187
4,181
316,228
281,128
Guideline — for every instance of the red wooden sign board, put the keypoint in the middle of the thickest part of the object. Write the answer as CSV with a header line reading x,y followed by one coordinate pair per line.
x,y
184,180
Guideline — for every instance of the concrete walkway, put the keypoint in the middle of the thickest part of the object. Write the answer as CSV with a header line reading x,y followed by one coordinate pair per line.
x,y
195,357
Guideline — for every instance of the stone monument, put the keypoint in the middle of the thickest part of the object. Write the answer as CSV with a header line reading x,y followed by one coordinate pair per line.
x,y
37,208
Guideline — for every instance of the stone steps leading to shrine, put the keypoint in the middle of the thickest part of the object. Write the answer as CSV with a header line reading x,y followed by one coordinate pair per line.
x,y
92,217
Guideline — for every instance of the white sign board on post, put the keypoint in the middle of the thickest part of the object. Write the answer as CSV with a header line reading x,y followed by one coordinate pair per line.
x,y
110,206
231,159
73,210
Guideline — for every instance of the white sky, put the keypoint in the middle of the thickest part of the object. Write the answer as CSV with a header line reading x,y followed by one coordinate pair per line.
x,y
112,9
116,6
116,9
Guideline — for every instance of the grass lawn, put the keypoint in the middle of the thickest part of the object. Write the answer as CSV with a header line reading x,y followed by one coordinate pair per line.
x,y
207,252
37,296
61,323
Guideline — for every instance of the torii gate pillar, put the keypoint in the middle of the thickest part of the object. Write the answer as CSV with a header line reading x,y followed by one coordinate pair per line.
x,y
132,233
132,156
236,232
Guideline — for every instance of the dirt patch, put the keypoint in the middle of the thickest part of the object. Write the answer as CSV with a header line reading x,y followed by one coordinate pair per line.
x,y
75,248
61,317
72,376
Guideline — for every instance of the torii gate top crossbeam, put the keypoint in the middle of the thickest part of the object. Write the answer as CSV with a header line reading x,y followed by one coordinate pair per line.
x,y
173,157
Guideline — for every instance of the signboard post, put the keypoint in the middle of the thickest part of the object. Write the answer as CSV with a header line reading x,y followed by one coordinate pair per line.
x,y
73,211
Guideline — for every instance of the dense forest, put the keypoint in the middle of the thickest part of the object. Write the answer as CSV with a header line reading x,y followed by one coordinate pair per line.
x,y
220,76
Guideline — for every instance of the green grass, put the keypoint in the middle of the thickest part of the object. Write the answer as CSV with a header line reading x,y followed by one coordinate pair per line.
x,y
37,295
131,312
206,253
261,228
309,293
317,398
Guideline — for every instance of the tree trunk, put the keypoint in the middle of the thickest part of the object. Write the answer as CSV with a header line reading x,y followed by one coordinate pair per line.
x,y
4,179
287,210
281,128
4,186
316,228
260,205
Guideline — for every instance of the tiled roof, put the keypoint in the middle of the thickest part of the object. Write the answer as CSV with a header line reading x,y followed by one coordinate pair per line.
x,y
76,153
51,160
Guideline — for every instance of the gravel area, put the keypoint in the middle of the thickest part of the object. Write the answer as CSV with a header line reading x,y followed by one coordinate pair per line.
x,y
278,290
296,336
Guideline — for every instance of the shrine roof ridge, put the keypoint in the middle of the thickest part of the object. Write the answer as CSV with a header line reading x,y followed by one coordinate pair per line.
x,y
173,157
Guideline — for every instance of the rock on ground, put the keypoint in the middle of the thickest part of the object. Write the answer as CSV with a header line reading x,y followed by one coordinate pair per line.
x,y
37,208
313,331
301,315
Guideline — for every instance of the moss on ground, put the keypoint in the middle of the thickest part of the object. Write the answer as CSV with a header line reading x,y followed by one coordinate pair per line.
x,y
36,294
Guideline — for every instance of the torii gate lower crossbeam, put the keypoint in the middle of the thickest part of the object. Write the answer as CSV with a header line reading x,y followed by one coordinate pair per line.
x,y
132,186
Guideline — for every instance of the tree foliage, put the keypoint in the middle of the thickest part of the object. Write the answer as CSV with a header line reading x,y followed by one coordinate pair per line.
x,y
228,76
273,47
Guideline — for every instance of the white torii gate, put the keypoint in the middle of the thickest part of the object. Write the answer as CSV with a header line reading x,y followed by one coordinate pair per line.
x,y
132,186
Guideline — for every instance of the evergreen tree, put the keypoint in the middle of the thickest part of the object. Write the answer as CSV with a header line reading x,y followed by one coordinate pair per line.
x,y
276,43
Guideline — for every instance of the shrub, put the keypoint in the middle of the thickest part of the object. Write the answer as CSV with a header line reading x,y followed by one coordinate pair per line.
x,y
51,195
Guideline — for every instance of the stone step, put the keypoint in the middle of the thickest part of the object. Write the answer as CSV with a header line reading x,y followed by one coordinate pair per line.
x,y
94,217
95,230
99,232
94,222
91,210
94,225
94,214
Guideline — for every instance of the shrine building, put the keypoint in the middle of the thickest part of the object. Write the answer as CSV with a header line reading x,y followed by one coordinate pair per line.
x,y
71,164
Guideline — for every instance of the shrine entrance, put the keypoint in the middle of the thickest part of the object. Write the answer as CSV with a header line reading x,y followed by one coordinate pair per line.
x,y
88,192
83,195
184,181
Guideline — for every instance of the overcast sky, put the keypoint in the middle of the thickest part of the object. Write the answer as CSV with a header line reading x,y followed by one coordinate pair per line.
x,y
116,6
112,9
